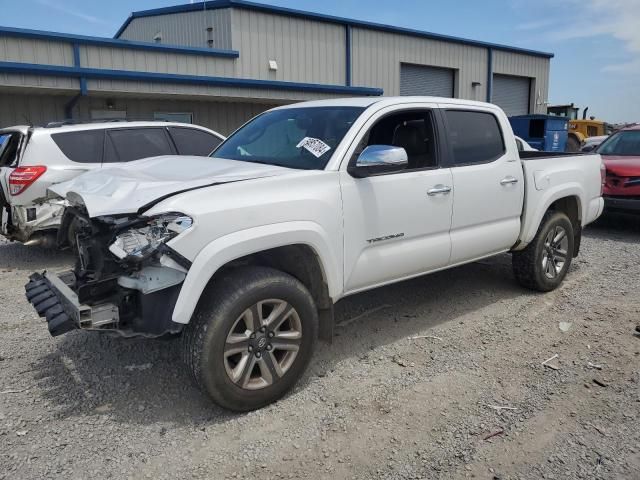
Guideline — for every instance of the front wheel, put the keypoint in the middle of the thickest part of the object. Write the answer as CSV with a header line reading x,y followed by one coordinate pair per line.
x,y
544,263
251,338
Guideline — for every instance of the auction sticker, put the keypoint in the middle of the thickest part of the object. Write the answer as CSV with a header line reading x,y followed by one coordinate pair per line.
x,y
314,145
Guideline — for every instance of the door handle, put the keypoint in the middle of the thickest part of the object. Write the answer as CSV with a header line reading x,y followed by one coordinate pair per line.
x,y
508,180
439,189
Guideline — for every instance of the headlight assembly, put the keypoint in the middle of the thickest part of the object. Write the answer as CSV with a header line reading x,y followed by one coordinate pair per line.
x,y
140,242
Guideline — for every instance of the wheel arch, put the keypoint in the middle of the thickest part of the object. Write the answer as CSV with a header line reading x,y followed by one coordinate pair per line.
x,y
567,200
302,250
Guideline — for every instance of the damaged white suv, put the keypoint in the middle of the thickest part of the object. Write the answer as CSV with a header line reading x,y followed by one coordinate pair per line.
x,y
35,158
244,254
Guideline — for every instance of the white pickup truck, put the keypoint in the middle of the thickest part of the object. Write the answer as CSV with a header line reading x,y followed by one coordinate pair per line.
x,y
245,253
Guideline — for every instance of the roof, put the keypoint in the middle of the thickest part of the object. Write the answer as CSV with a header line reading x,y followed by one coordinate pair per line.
x,y
74,127
385,101
219,4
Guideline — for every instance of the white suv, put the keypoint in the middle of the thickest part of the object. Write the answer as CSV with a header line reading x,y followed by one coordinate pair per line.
x,y
34,158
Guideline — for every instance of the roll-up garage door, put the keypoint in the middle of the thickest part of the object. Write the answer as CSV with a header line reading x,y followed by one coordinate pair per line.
x,y
511,93
430,81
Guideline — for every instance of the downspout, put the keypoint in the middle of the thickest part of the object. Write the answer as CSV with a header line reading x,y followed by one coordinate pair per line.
x,y
489,74
347,40
68,108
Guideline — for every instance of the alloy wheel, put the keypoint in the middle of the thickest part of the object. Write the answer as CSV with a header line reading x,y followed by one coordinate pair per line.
x,y
262,344
554,256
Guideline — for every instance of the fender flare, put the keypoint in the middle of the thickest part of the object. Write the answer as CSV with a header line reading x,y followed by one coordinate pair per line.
x,y
531,225
246,242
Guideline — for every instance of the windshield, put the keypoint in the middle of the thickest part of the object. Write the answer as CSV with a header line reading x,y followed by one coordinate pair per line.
x,y
303,138
626,143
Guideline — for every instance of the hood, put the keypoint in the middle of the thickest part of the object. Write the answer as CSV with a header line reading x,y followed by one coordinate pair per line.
x,y
622,166
134,185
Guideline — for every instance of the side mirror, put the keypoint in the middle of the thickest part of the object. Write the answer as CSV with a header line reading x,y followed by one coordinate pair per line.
x,y
379,159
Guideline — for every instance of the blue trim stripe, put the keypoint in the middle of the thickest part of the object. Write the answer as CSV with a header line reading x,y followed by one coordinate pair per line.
x,y
110,42
97,73
76,63
218,4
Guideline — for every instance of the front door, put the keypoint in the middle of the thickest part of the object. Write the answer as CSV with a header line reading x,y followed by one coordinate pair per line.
x,y
396,225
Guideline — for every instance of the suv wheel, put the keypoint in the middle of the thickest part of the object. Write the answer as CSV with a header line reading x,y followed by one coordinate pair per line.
x,y
544,263
251,338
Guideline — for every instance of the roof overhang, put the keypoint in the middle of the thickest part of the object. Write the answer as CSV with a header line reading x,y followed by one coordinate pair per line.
x,y
173,78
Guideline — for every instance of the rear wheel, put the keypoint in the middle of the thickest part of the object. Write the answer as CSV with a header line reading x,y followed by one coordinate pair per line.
x,y
252,337
544,263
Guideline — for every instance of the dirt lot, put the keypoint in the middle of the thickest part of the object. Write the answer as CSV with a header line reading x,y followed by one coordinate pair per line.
x,y
375,404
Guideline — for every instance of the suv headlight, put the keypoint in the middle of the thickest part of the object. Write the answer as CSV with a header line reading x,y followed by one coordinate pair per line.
x,y
140,242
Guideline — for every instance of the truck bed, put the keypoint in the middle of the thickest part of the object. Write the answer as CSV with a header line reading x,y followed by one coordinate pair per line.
x,y
554,175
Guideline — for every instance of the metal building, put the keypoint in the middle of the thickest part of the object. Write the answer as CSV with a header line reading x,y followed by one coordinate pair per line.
x,y
218,63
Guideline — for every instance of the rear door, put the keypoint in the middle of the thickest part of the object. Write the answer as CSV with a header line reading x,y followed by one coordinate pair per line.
x,y
488,183
134,143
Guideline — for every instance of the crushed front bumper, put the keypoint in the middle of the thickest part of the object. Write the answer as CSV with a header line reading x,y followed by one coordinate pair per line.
x,y
52,297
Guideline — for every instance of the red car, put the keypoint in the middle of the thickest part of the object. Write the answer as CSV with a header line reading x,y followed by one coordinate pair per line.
x,y
621,156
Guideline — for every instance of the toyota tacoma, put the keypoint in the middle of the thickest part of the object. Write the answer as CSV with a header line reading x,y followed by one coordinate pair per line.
x,y
243,255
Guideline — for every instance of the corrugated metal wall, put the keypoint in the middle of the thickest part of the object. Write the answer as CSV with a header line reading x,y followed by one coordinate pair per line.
x,y
223,117
306,50
377,56
536,68
16,109
45,52
188,28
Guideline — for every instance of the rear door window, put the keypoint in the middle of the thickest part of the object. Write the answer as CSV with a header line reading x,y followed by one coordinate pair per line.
x,y
135,143
475,137
190,141
81,147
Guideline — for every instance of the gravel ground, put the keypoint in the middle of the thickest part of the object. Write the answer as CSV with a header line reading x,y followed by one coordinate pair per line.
x,y
374,404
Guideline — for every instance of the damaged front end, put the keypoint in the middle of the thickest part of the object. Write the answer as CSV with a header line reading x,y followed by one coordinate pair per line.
x,y
126,278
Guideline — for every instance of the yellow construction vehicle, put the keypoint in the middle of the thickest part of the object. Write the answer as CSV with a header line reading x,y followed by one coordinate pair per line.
x,y
579,129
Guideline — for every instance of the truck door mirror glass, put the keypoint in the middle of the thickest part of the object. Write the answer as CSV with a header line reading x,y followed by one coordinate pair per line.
x,y
380,159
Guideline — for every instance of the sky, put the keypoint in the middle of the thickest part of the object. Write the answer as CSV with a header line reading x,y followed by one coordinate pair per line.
x,y
596,42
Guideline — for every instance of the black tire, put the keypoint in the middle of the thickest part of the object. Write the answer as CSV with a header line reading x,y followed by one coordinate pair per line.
x,y
573,145
222,304
528,263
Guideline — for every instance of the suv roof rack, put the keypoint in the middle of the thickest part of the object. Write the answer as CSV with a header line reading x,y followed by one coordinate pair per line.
x,y
63,123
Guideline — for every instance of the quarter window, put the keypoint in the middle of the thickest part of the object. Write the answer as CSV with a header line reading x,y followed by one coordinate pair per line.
x,y
475,137
136,143
191,141
82,147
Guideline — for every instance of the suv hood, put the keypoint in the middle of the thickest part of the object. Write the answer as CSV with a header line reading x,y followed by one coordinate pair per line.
x,y
137,185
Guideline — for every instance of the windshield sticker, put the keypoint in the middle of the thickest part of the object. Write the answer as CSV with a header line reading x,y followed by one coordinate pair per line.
x,y
314,146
